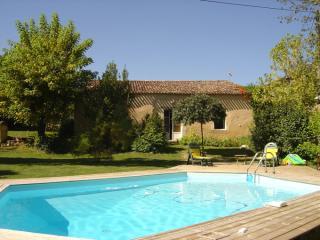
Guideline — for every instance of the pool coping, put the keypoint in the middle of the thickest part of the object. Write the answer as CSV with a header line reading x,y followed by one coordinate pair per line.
x,y
7,234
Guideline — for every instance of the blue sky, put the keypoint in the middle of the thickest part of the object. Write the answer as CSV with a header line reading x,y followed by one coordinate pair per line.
x,y
165,39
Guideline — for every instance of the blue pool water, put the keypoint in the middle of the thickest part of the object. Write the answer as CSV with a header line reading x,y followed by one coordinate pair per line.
x,y
127,208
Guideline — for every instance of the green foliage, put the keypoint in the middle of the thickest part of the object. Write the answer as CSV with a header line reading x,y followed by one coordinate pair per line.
x,y
314,125
215,142
106,106
63,140
198,108
42,73
304,11
294,74
284,99
308,150
84,144
285,124
153,138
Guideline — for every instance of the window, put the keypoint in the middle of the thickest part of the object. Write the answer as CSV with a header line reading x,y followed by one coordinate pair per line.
x,y
220,124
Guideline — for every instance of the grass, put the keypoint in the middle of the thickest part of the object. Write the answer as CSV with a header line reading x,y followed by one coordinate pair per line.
x,y
28,162
22,134
25,162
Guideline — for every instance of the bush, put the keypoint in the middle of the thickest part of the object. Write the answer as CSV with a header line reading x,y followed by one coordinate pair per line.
x,y
314,125
192,139
84,144
308,150
214,142
153,138
284,124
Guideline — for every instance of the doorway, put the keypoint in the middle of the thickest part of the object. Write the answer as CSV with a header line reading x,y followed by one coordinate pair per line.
x,y
173,130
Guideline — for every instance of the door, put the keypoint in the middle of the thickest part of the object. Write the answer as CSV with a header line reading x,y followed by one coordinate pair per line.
x,y
173,130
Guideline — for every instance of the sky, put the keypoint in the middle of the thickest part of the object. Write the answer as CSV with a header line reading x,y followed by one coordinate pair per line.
x,y
165,39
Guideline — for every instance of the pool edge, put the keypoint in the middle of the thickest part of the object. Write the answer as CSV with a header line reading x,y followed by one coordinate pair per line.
x,y
8,234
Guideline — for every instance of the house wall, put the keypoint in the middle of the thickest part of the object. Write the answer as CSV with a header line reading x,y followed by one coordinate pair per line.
x,y
238,120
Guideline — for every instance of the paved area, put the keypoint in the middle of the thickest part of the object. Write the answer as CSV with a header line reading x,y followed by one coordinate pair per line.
x,y
295,173
300,216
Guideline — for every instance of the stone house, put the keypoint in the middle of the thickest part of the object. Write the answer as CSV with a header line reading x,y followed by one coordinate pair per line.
x,y
162,95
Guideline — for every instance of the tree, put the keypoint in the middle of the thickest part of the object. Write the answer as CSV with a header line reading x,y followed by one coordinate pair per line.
x,y
308,12
42,73
304,11
113,120
294,74
198,108
153,137
285,98
107,107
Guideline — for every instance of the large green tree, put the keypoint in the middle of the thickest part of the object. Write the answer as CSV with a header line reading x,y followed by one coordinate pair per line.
x,y
43,72
302,10
113,122
294,74
308,12
106,108
198,108
284,99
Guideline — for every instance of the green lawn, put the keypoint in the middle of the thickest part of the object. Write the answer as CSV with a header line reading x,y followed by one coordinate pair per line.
x,y
22,134
24,162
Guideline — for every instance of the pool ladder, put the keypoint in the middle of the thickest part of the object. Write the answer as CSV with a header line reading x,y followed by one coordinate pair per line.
x,y
261,156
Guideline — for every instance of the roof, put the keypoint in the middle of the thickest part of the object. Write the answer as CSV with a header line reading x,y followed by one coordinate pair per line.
x,y
186,87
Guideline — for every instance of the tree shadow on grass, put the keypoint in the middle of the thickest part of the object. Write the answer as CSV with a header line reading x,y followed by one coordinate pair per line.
x,y
228,152
4,173
127,162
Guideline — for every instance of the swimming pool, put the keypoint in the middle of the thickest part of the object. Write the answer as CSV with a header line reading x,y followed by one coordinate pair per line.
x,y
131,207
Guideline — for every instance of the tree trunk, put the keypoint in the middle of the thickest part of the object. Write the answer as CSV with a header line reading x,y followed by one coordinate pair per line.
x,y
42,129
202,148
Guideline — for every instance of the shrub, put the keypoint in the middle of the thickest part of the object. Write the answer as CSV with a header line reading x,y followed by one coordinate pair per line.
x,y
192,139
314,125
84,144
285,124
153,138
214,142
308,150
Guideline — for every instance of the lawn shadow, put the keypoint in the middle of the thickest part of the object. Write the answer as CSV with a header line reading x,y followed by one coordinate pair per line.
x,y
4,173
229,152
128,162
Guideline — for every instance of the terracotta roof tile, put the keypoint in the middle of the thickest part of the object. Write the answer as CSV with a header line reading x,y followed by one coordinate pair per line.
x,y
186,87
